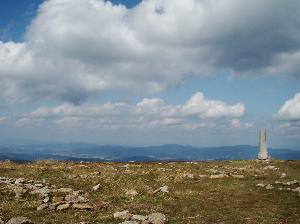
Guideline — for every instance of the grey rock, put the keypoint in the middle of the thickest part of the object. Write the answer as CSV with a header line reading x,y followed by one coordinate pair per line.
x,y
214,171
122,215
217,176
46,199
39,185
129,222
19,191
65,190
157,218
163,189
42,207
188,175
42,191
20,181
75,199
53,206
283,175
139,217
83,206
269,187
202,175
270,168
19,220
132,192
96,188
237,176
63,207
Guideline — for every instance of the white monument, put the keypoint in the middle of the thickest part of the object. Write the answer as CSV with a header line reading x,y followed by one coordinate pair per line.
x,y
263,153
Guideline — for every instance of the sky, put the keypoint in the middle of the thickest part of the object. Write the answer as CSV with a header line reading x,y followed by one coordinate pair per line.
x,y
151,72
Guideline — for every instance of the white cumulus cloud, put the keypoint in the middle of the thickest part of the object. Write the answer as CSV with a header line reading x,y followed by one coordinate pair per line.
x,y
290,110
194,113
289,117
75,49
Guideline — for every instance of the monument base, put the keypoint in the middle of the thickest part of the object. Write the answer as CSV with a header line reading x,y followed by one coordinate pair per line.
x,y
268,159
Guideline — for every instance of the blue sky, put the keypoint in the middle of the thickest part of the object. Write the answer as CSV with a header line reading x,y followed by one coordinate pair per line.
x,y
196,73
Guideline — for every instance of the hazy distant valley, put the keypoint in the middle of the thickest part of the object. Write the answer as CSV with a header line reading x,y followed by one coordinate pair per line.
x,y
93,152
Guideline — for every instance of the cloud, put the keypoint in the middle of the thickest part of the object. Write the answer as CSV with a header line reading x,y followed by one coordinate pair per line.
x,y
289,117
75,49
290,110
195,113
3,119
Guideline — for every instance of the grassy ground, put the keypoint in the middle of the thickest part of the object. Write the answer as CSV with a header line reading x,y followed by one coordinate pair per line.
x,y
190,200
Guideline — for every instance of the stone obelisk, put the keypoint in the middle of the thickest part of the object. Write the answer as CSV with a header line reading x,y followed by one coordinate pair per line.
x,y
263,153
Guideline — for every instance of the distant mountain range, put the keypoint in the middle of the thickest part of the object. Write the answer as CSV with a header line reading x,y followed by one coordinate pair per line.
x,y
93,152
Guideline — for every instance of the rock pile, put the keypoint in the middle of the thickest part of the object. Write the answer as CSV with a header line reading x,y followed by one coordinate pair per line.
x,y
293,186
47,193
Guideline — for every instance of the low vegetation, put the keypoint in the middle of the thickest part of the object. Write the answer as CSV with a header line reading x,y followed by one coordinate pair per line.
x,y
196,192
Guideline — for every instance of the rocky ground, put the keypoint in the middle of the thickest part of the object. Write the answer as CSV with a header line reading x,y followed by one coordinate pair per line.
x,y
150,193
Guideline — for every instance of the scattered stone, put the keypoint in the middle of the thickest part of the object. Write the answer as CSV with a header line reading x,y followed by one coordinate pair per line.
x,y
188,175
129,222
260,185
132,192
75,198
202,175
83,206
19,181
53,206
139,217
289,183
157,218
42,207
41,191
1,221
214,171
19,192
292,182
269,187
19,220
217,176
65,190
46,199
296,189
96,188
283,175
39,185
63,207
270,168
122,215
163,189
237,176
